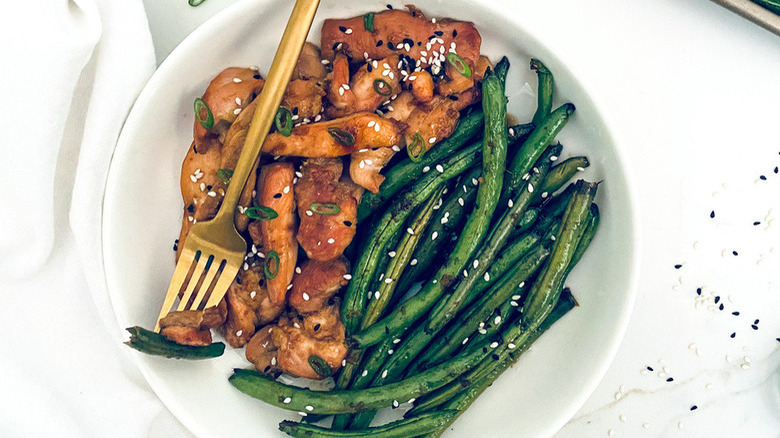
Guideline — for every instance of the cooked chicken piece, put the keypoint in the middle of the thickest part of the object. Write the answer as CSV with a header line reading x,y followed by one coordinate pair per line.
x,y
297,342
402,106
198,179
191,327
317,283
248,306
454,82
226,96
324,235
437,119
304,99
422,86
364,167
371,85
393,31
335,138
275,191
309,64
261,350
483,64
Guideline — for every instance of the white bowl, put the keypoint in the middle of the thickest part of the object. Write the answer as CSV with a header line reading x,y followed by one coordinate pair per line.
x,y
142,214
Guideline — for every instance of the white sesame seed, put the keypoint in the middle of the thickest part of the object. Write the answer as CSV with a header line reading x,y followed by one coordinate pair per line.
x,y
434,235
553,158
377,127
239,333
310,408
238,101
286,189
522,283
530,188
513,303
510,203
395,148
331,240
545,194
212,193
413,262
365,373
439,168
432,140
371,123
426,169
339,46
365,55
192,177
461,202
341,91
305,296
580,168
346,86
347,277
362,164
325,62
410,231
482,331
252,294
511,346
289,286
493,344
287,400
487,276
318,117
388,281
384,374
476,263
390,352
377,294
273,360
237,111
464,341
309,213
465,273
497,320
369,162
391,254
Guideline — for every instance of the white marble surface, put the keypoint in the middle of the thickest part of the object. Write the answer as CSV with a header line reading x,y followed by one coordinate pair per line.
x,y
695,91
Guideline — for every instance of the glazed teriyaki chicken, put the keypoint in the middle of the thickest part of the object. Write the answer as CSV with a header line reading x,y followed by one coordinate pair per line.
x,y
373,88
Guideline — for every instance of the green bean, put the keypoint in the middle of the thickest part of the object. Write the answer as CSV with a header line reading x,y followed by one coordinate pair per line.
x,y
493,162
354,305
424,423
560,175
448,220
448,342
533,147
544,91
772,5
501,69
460,393
386,289
417,339
156,344
496,240
344,401
406,171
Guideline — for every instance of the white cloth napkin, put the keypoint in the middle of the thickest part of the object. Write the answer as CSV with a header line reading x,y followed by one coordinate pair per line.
x,y
71,70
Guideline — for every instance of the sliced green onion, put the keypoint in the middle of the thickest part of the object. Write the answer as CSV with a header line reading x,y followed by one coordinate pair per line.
x,y
368,21
206,121
225,175
326,209
342,136
416,150
271,256
382,87
194,3
319,366
261,213
460,65
283,121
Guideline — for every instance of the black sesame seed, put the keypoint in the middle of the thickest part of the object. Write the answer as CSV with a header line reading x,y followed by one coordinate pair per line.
x,y
369,68
390,7
775,169
343,28
431,37
191,209
712,214
408,41
278,195
316,327
439,33
670,379
698,291
390,45
721,306
194,149
484,349
717,299
756,223
175,247
256,76
295,111
379,43
414,13
755,322
454,33
299,316
735,253
733,335
334,46
762,178
453,97
261,283
348,223
754,327
735,313
694,407
419,43
649,368
495,357
778,339
238,280
265,370
208,187
677,266
332,301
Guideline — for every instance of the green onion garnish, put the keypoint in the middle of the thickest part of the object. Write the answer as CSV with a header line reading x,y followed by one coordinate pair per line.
x,y
460,65
416,150
261,213
206,120
342,136
368,21
319,366
225,175
194,3
382,87
326,209
283,121
271,256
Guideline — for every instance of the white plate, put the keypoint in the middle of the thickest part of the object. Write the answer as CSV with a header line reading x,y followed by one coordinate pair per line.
x,y
142,214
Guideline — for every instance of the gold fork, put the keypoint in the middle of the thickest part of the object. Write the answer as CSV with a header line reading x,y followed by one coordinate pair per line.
x,y
214,250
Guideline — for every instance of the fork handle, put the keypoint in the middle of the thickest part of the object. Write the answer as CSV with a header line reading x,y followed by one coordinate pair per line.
x,y
270,97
